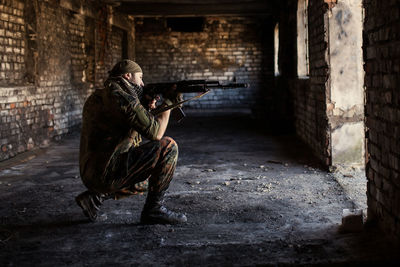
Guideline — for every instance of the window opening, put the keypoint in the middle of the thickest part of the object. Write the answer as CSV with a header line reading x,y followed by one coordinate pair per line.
x,y
302,39
192,24
276,50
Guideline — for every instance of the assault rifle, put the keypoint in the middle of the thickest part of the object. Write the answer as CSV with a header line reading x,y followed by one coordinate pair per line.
x,y
202,87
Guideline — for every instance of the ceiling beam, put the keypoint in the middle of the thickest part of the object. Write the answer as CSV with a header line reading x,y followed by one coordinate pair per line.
x,y
209,8
208,2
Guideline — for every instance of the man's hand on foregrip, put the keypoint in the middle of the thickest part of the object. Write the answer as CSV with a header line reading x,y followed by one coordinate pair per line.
x,y
167,105
172,95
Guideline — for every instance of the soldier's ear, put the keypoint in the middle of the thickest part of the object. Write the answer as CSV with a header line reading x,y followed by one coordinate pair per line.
x,y
127,75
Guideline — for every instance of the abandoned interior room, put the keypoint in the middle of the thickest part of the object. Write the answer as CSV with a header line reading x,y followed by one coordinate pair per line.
x,y
300,167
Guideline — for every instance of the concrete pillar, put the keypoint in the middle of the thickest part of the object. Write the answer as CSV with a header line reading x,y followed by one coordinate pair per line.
x,y
345,103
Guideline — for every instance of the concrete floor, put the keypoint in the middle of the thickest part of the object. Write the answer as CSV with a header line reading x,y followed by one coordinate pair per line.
x,y
251,198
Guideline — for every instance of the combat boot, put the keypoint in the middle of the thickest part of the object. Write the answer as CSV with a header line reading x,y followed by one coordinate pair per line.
x,y
155,213
90,203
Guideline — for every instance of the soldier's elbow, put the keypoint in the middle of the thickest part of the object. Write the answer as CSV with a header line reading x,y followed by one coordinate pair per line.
x,y
158,137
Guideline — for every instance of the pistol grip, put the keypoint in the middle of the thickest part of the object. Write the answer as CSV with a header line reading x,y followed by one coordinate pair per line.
x,y
178,114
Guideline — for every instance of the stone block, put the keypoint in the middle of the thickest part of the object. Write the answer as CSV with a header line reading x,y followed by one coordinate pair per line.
x,y
352,221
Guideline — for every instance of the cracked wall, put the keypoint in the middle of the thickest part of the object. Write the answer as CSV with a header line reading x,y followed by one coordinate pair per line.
x,y
345,103
329,103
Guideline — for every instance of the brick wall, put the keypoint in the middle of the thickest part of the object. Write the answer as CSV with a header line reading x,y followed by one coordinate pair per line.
x,y
109,52
382,69
226,48
12,43
50,67
310,94
76,30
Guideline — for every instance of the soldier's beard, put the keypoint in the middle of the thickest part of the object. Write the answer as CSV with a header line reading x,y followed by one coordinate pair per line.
x,y
137,88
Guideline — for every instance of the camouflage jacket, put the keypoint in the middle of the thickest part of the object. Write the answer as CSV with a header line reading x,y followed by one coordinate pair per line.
x,y
112,121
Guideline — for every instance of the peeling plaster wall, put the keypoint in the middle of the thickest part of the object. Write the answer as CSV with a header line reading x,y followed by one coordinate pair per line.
x,y
348,144
55,53
345,105
329,104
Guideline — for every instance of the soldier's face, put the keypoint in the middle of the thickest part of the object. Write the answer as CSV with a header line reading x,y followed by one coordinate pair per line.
x,y
137,78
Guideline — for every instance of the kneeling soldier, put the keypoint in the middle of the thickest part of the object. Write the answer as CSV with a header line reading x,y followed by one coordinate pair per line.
x,y
112,161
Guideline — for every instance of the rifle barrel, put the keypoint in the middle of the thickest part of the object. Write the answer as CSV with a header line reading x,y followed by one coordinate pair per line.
x,y
229,85
192,86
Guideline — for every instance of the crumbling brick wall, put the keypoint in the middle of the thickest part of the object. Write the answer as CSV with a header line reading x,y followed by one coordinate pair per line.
x,y
310,94
51,62
226,48
382,70
328,103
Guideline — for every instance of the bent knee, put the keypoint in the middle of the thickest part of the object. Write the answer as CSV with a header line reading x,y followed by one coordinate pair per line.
x,y
169,142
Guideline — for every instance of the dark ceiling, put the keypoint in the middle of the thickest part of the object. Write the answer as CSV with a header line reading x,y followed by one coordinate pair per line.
x,y
176,8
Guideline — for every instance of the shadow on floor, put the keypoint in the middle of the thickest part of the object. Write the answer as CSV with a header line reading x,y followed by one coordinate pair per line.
x,y
251,197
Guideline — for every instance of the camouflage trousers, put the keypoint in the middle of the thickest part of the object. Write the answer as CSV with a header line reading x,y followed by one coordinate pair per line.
x,y
154,162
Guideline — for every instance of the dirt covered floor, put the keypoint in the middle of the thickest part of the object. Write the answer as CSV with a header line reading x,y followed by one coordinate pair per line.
x,y
251,198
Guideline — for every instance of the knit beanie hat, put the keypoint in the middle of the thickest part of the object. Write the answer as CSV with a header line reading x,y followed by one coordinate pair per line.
x,y
125,66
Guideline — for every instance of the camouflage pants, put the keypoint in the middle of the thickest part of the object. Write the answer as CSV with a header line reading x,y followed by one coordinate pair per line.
x,y
155,161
